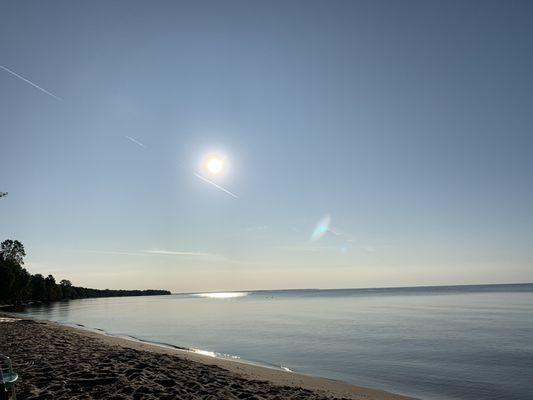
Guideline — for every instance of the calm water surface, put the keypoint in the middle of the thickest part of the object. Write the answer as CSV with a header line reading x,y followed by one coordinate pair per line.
x,y
472,342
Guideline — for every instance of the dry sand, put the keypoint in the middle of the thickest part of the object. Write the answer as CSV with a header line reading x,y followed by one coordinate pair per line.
x,y
59,362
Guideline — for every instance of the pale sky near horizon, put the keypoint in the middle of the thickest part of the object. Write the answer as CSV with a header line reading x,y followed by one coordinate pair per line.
x,y
408,122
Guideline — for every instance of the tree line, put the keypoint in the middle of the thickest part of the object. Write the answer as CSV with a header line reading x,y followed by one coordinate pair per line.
x,y
18,286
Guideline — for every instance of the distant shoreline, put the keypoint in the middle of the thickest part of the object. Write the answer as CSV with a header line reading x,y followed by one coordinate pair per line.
x,y
101,294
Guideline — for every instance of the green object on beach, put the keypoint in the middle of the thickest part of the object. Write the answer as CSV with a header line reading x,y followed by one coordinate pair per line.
x,y
8,378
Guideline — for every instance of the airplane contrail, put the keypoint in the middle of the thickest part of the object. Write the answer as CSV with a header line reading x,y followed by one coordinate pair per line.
x,y
135,141
31,83
203,178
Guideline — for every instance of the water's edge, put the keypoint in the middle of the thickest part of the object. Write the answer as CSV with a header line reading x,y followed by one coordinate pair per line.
x,y
193,351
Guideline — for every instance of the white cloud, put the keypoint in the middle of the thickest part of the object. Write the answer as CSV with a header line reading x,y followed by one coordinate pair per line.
x,y
157,252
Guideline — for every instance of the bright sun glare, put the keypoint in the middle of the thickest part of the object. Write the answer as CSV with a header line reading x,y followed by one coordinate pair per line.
x,y
222,295
214,165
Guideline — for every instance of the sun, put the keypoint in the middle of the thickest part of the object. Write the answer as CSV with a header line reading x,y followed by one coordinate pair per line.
x,y
214,165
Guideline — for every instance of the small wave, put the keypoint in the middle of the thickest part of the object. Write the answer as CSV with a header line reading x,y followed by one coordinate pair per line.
x,y
204,352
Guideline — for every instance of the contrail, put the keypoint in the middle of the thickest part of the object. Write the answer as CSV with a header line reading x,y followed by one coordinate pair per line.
x,y
215,185
135,141
31,83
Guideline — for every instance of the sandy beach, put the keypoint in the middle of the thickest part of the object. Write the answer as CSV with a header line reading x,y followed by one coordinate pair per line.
x,y
60,362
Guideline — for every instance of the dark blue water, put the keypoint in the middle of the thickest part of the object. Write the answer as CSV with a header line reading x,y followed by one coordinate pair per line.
x,y
461,342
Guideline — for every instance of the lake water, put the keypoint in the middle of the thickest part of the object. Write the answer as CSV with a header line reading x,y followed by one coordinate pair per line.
x,y
462,342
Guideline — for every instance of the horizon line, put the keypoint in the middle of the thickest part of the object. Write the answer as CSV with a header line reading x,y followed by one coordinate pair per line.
x,y
360,288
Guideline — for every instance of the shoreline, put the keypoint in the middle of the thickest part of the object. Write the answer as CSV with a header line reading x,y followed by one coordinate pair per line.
x,y
252,374
171,347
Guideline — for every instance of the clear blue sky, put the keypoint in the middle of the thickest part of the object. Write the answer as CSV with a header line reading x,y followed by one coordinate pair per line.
x,y
409,122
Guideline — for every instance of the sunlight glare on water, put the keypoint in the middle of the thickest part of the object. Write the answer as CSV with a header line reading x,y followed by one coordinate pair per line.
x,y
222,295
204,352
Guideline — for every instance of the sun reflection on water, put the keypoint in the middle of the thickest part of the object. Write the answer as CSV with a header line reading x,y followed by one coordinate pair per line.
x,y
222,295
204,352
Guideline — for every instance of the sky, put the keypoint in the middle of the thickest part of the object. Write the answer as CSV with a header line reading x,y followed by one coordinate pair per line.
x,y
409,123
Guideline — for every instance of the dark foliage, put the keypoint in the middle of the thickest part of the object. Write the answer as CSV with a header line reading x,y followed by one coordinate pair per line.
x,y
18,286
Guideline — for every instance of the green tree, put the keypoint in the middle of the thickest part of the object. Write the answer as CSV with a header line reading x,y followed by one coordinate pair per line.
x,y
66,289
14,282
7,277
38,288
13,250
53,292
21,289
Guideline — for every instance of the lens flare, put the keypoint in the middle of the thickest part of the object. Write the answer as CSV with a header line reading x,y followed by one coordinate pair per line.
x,y
321,228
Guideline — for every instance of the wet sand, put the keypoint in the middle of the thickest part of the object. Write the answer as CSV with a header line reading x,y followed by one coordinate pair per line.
x,y
60,362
